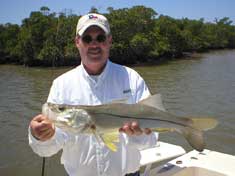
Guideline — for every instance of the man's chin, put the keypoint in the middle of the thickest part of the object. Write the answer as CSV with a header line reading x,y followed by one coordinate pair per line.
x,y
95,57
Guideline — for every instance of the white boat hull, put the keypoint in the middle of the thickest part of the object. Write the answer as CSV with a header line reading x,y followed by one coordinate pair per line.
x,y
194,163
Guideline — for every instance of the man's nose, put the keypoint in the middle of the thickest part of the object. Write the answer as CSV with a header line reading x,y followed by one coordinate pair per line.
x,y
94,43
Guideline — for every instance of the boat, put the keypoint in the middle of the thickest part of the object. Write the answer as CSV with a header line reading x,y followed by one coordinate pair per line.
x,y
174,161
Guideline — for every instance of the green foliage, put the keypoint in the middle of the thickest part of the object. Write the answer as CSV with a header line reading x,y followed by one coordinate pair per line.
x,y
140,45
8,41
128,27
50,53
139,35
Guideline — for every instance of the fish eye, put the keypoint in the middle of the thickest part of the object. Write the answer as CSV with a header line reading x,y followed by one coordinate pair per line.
x,y
61,108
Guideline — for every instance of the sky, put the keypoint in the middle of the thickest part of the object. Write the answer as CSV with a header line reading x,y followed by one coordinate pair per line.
x,y
14,11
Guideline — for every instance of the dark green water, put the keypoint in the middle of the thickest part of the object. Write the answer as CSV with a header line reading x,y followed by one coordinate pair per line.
x,y
201,86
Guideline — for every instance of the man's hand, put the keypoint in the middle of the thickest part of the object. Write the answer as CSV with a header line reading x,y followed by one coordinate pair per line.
x,y
42,128
133,128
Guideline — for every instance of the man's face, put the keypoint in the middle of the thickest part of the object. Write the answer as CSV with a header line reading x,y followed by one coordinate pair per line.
x,y
94,47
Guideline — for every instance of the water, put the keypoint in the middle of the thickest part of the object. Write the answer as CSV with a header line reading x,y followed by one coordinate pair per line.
x,y
204,86
201,86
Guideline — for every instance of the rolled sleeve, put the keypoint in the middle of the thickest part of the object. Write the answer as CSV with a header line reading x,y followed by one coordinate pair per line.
x,y
49,147
142,141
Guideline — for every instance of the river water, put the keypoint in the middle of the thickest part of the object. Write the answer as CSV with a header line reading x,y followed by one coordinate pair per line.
x,y
200,86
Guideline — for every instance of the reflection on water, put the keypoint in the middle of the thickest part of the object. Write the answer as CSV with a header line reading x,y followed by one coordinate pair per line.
x,y
202,86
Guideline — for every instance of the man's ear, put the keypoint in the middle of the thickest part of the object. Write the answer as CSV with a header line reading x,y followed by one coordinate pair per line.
x,y
77,41
110,40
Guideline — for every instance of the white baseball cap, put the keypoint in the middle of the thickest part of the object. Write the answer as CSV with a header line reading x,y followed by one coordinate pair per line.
x,y
92,19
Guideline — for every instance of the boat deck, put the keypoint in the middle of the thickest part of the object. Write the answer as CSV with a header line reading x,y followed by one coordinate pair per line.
x,y
194,163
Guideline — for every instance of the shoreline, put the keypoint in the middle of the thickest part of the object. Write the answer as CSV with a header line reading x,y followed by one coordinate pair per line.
x,y
151,62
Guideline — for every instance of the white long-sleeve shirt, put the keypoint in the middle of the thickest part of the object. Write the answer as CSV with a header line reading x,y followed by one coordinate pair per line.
x,y
82,155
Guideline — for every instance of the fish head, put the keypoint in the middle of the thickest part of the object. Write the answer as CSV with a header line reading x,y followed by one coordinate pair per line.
x,y
71,119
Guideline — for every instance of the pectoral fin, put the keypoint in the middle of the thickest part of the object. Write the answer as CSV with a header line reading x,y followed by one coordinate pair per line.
x,y
110,139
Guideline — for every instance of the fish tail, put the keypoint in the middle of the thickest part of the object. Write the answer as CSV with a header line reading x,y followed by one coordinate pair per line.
x,y
194,138
204,123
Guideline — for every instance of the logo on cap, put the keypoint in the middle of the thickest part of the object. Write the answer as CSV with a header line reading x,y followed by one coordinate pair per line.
x,y
92,17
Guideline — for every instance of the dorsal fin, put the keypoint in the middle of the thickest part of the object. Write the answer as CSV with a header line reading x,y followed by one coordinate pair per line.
x,y
154,101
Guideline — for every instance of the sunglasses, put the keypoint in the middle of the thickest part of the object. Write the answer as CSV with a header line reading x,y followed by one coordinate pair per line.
x,y
88,39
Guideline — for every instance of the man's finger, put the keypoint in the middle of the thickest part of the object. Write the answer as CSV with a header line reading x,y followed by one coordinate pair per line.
x,y
46,135
136,128
127,129
42,126
39,118
147,131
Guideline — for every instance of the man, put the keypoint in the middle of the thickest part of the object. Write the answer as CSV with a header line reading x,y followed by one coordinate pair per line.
x,y
96,81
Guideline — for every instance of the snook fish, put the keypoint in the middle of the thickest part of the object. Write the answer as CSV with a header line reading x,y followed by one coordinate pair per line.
x,y
104,120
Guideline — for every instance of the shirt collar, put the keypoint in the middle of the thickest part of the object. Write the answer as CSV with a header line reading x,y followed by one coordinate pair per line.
x,y
101,77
